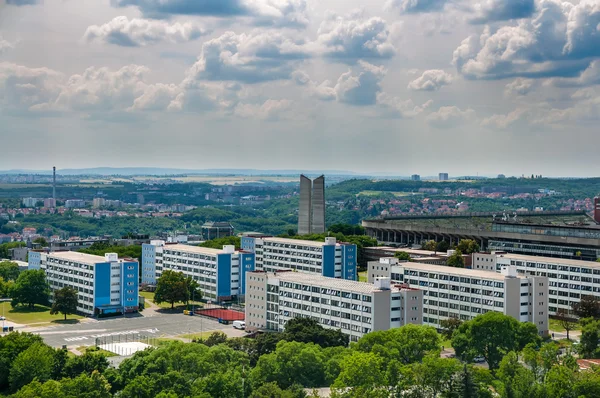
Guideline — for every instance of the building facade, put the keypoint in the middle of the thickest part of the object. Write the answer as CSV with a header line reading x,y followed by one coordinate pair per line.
x,y
443,176
569,280
220,273
466,293
329,258
311,210
214,230
105,285
356,308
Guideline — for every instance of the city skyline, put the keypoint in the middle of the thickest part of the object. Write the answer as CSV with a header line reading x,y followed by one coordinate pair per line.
x,y
401,87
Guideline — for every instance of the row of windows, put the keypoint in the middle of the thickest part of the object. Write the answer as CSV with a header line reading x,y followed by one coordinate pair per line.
x,y
454,278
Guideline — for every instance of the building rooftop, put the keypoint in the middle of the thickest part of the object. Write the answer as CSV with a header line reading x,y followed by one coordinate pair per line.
x,y
195,249
415,252
332,283
79,257
300,242
443,269
551,260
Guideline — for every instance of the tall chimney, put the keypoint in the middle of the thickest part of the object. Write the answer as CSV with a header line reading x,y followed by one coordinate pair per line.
x,y
54,183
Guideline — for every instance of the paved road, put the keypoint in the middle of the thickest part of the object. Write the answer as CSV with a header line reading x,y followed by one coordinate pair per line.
x,y
123,328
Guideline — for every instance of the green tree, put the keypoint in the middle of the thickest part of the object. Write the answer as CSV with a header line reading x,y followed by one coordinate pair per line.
x,y
87,363
171,288
448,326
467,246
442,246
30,288
86,386
218,243
492,335
35,363
35,389
215,338
560,382
308,330
407,344
402,256
456,260
361,369
193,287
42,241
566,320
272,390
515,379
429,245
587,307
5,287
590,334
64,302
347,229
11,345
435,375
9,271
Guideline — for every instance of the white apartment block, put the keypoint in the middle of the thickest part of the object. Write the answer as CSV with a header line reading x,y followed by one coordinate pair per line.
x,y
568,279
465,293
356,308
105,284
220,273
329,258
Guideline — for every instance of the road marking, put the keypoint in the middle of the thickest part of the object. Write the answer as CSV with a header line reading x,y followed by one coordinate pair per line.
x,y
73,331
76,338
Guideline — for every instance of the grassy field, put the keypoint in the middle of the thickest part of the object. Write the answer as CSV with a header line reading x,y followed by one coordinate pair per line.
x,y
84,349
555,326
362,276
178,306
38,315
15,186
203,335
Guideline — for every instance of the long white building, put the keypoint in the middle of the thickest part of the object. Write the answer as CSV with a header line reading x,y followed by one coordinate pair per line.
x,y
568,279
328,258
105,285
356,308
465,293
219,272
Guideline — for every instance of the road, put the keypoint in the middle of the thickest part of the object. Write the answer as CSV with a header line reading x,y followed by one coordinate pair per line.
x,y
126,328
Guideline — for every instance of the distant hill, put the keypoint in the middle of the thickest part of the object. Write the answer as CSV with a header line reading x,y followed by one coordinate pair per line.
x,y
132,171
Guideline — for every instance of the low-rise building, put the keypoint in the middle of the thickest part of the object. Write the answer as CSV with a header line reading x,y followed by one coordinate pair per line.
x,y
329,258
465,293
220,273
214,230
105,285
356,308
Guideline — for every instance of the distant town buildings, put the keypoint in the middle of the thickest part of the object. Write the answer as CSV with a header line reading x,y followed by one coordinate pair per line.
x,y
443,176
356,308
30,202
311,212
214,230
415,177
74,203
50,202
501,176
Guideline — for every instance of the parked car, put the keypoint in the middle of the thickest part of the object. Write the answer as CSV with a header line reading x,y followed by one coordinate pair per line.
x,y
2,318
239,325
479,359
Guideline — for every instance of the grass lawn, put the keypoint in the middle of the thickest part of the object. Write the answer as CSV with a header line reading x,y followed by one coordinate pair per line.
x,y
362,276
39,314
203,335
555,326
446,343
178,306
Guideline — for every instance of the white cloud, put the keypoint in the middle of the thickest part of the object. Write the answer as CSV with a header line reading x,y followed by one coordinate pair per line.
x,y
502,10
248,58
22,88
588,77
353,37
401,108
557,41
141,32
518,87
416,6
5,45
450,116
504,121
279,13
360,89
431,80
269,110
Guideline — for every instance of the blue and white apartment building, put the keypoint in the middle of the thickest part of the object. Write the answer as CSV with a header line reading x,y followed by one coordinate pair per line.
x,y
221,273
329,258
106,285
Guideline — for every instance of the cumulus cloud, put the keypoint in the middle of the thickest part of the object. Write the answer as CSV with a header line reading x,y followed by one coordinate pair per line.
x,y
140,32
5,45
431,80
360,89
504,121
518,87
416,6
282,13
248,58
353,37
585,108
450,116
588,77
269,110
22,88
502,10
397,107
557,41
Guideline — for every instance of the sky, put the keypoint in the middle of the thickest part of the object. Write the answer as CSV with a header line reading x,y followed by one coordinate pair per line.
x,y
394,86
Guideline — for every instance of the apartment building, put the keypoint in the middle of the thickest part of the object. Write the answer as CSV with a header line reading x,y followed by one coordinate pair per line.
x,y
329,258
220,273
356,308
465,293
105,284
568,279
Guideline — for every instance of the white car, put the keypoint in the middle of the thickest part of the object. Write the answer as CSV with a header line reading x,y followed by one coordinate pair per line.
x,y
2,318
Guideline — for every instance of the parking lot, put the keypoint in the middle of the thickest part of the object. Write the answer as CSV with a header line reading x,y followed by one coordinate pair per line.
x,y
156,326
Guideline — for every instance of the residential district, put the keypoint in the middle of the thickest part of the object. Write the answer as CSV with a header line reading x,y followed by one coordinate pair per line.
x,y
510,292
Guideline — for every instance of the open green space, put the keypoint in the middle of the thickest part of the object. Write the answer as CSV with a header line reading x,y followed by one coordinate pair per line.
x,y
202,335
36,315
84,349
149,296
362,276
555,326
